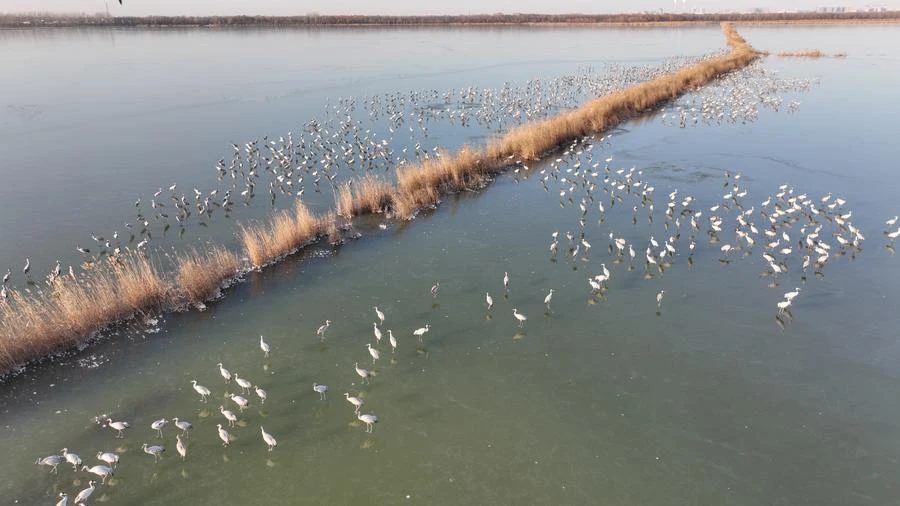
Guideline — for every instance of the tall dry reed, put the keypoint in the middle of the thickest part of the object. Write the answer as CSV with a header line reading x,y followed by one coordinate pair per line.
x,y
200,274
37,323
285,233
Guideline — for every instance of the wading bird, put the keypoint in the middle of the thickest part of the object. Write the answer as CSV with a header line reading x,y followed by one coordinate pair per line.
x,y
421,331
51,460
155,450
264,346
519,316
223,435
71,458
224,372
372,351
108,457
323,329
369,419
100,470
200,389
268,439
86,493
364,374
184,425
229,415
119,427
179,445
322,390
356,401
377,331
158,426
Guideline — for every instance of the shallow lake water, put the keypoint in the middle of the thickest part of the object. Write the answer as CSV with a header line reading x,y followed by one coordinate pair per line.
x,y
704,399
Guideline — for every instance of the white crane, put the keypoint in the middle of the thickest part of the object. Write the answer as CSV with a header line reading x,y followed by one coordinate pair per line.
x,y
434,290
322,390
789,296
519,316
506,281
224,435
264,346
158,426
393,341
377,331
85,494
268,438
100,470
372,351
200,389
364,374
229,415
50,460
243,383
179,445
369,419
224,372
155,450
356,401
119,427
379,314
261,394
71,458
184,425
659,298
323,329
421,331
108,457
783,305
240,401
63,499
489,300
548,298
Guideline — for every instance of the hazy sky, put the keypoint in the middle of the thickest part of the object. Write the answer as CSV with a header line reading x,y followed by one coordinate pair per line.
x,y
412,7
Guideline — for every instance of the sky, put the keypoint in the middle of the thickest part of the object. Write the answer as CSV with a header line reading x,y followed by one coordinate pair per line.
x,y
409,7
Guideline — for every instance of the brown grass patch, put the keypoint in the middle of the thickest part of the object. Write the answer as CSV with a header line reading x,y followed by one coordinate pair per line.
x,y
328,226
201,274
286,232
36,324
366,195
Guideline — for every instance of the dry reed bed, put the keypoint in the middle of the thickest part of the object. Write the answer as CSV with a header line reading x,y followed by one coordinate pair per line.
x,y
201,274
36,324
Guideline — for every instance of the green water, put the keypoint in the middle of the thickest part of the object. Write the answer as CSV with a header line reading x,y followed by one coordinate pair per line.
x,y
599,400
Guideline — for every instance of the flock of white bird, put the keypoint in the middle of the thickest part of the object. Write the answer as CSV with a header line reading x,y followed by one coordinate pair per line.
x,y
340,145
786,232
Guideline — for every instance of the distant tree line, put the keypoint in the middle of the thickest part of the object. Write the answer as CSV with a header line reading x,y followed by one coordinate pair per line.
x,y
20,20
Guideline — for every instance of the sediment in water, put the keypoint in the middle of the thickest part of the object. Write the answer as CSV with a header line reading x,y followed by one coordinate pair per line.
x,y
36,324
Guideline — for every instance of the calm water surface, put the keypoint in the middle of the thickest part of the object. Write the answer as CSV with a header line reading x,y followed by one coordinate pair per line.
x,y
595,401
